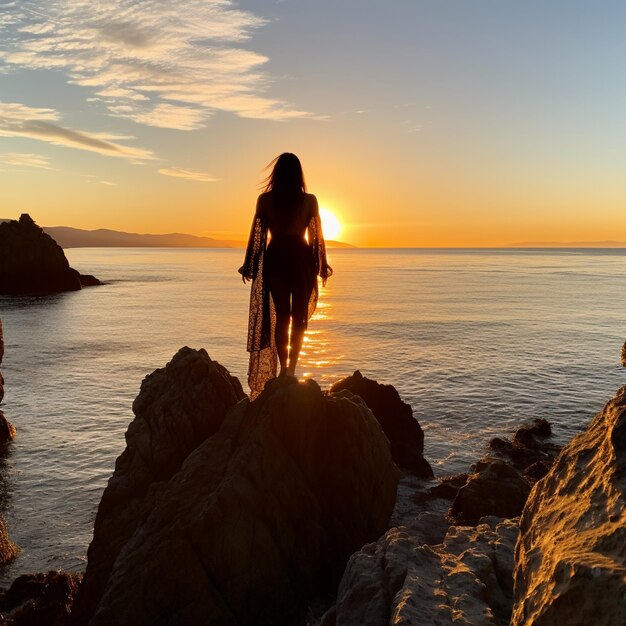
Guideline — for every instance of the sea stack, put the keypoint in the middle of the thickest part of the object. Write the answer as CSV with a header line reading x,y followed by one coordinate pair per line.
x,y
31,262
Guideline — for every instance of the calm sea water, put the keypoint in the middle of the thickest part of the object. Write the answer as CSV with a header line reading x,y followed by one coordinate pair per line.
x,y
476,341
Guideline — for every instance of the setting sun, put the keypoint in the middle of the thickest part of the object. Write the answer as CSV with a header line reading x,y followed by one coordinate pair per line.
x,y
331,226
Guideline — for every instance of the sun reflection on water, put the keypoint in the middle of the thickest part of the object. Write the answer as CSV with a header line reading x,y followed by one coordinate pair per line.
x,y
318,356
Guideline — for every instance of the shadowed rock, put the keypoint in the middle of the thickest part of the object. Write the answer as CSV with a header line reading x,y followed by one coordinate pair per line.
x,y
1,355
7,430
496,488
396,419
259,518
31,262
398,580
530,450
571,557
35,599
178,408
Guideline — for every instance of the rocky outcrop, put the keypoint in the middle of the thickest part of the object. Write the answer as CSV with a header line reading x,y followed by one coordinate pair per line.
x,y
31,263
7,430
571,556
495,488
39,599
1,356
178,408
259,517
467,579
530,451
396,419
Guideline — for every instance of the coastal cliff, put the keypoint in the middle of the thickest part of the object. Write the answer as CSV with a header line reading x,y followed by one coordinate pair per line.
x,y
31,262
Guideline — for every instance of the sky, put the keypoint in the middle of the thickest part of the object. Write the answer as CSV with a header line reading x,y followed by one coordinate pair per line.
x,y
418,122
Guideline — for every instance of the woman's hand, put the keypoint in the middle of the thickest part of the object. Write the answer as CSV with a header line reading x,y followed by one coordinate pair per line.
x,y
244,277
325,273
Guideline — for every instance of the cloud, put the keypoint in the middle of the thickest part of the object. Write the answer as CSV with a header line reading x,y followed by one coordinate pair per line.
x,y
200,177
158,63
108,183
26,159
18,120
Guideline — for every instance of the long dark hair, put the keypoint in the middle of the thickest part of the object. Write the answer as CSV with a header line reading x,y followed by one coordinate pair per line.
x,y
286,181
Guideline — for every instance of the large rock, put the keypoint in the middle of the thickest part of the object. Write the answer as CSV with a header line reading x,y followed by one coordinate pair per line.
x,y
260,517
31,263
465,581
571,556
178,408
396,419
496,488
1,355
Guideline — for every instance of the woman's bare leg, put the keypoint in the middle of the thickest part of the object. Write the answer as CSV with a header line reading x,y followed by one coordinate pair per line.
x,y
299,314
281,296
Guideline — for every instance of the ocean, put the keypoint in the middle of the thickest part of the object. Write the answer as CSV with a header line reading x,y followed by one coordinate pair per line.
x,y
476,341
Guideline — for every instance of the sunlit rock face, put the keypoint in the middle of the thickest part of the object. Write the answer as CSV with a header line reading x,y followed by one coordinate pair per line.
x,y
259,517
571,557
466,580
31,262
396,419
178,408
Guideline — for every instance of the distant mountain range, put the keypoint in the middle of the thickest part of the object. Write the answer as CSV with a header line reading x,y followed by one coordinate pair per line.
x,y
68,237
568,244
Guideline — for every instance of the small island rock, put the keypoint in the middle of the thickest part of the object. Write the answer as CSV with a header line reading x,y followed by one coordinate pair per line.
x,y
31,262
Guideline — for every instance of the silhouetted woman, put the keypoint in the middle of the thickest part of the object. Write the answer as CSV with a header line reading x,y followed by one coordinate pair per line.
x,y
283,272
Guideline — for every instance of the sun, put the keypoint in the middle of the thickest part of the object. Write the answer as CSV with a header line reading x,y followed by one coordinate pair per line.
x,y
331,226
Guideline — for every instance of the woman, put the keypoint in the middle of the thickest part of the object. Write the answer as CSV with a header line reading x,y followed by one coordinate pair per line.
x,y
283,272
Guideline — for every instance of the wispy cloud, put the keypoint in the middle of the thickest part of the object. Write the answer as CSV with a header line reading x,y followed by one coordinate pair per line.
x,y
108,183
25,159
200,177
158,63
18,120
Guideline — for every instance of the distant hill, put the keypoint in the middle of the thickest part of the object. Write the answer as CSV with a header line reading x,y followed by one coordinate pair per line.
x,y
68,237
568,244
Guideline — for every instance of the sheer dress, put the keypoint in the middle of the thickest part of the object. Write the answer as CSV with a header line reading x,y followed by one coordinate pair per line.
x,y
307,261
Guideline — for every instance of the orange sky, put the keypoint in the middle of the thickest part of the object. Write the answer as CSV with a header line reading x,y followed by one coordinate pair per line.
x,y
418,124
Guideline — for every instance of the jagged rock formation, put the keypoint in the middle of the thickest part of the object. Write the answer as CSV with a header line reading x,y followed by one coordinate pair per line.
x,y
495,488
39,599
178,408
466,580
571,557
396,419
256,520
31,263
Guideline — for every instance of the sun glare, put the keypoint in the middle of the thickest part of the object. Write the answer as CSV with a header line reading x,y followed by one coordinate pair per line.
x,y
331,226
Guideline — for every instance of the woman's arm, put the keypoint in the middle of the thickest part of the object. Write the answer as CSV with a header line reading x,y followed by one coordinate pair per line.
x,y
256,244
318,246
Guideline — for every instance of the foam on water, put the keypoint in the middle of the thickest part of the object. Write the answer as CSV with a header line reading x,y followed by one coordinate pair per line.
x,y
475,341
